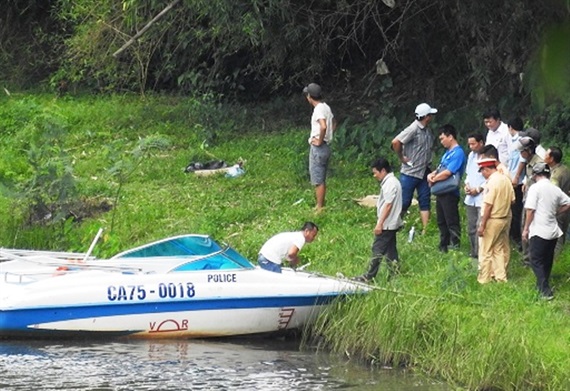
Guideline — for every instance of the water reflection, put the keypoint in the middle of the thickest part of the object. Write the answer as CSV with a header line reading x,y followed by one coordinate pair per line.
x,y
189,365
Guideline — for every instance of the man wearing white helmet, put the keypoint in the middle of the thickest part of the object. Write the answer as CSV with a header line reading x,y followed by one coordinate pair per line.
x,y
413,146
543,202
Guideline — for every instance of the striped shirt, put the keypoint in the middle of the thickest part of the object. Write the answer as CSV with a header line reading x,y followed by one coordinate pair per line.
x,y
417,144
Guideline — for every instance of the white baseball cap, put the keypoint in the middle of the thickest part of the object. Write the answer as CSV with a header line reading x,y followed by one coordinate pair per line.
x,y
424,109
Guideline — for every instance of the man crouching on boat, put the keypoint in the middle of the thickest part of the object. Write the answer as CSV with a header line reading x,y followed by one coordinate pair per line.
x,y
285,246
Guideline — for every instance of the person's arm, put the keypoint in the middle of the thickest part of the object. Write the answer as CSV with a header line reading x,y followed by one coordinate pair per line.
x,y
486,215
563,209
293,256
398,147
380,224
318,141
519,172
529,218
438,176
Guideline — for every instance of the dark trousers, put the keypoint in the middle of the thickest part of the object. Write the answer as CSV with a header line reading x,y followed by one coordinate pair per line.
x,y
541,258
517,211
384,246
448,220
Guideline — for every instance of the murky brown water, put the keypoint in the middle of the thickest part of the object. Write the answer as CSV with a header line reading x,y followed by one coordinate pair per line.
x,y
190,365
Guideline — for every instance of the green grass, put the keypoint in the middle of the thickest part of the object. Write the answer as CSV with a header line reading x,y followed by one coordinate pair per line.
x,y
434,316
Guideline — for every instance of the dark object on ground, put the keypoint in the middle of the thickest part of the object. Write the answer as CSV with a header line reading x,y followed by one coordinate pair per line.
x,y
213,165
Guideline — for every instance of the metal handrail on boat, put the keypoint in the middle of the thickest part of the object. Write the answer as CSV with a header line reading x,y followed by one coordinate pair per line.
x,y
59,260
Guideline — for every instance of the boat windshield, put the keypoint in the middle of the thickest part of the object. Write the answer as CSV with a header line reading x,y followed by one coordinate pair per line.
x,y
206,253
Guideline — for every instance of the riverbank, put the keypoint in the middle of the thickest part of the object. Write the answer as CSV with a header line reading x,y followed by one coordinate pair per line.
x,y
131,153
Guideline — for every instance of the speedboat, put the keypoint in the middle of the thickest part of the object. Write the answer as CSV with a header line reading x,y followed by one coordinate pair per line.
x,y
186,286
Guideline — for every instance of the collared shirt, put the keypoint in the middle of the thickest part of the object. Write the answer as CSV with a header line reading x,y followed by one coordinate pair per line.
x,y
535,159
501,139
322,111
545,198
417,142
474,179
560,176
453,160
515,159
500,194
390,193
539,150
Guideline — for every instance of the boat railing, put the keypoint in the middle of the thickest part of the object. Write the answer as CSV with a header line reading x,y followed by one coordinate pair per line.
x,y
9,254
62,262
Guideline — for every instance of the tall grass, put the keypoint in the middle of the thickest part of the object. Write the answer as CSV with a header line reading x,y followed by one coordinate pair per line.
x,y
434,316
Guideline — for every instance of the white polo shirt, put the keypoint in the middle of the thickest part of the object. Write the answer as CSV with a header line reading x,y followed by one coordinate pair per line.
x,y
545,198
391,193
501,139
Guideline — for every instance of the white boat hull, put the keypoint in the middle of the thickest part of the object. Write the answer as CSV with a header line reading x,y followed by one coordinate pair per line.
x,y
146,298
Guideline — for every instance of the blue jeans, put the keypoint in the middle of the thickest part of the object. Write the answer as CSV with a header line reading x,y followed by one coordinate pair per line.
x,y
409,184
266,264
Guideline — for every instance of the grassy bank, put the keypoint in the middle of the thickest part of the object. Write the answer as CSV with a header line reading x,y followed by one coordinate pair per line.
x,y
132,153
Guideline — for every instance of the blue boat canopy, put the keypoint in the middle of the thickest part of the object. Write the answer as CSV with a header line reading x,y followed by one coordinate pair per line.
x,y
203,252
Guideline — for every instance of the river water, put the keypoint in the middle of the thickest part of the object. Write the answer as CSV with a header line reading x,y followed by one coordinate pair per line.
x,y
191,365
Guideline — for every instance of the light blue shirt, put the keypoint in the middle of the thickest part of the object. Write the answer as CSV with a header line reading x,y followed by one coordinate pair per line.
x,y
514,159
474,179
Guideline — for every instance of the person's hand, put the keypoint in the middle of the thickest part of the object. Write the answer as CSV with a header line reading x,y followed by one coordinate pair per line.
x,y
315,141
480,230
378,229
525,235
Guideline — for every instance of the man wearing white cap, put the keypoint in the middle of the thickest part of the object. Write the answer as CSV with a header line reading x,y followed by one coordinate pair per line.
x,y
494,246
413,146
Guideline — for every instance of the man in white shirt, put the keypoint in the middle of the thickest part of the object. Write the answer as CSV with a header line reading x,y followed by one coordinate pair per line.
x,y
322,127
497,134
285,246
517,173
544,201
474,181
388,220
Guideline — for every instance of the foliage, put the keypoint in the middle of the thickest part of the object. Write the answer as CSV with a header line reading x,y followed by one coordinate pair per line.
x,y
472,336
434,316
360,141
549,68
47,187
438,51
124,167
29,39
